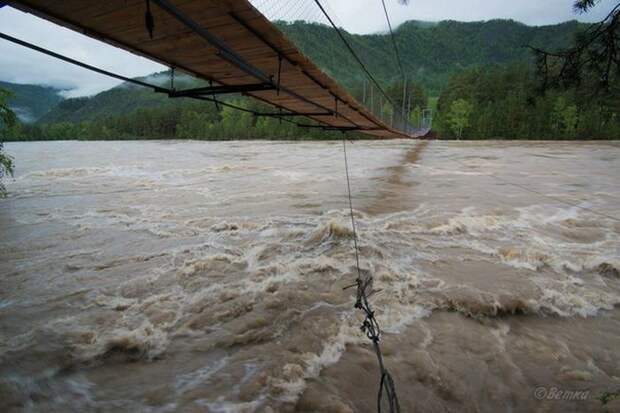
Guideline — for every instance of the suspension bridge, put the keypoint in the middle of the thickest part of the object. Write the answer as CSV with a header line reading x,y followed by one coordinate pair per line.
x,y
234,48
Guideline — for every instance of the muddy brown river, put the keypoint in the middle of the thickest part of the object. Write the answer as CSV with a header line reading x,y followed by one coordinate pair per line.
x,y
182,276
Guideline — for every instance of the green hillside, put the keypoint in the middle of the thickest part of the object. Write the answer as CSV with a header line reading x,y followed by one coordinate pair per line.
x,y
31,102
117,101
431,54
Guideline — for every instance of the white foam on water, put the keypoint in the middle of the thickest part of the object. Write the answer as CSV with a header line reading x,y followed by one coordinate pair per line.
x,y
114,302
435,171
291,175
394,319
568,301
527,241
224,406
144,342
292,383
63,173
469,224
200,377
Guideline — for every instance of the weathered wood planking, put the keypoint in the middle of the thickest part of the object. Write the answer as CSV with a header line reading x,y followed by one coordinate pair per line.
x,y
240,26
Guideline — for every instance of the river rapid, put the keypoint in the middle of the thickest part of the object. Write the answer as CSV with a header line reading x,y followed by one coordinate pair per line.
x,y
165,276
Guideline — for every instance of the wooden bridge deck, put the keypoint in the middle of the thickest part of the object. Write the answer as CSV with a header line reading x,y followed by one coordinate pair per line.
x,y
227,42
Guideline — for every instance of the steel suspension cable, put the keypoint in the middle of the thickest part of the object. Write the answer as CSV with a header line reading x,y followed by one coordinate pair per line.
x,y
369,326
399,60
156,88
396,51
78,63
555,198
545,195
355,56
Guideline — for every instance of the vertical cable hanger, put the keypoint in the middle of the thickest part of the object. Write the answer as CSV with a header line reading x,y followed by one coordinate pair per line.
x,y
400,63
217,104
149,22
409,108
405,120
372,101
354,54
279,74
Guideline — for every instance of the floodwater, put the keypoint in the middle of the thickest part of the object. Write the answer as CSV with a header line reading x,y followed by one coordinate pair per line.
x,y
208,276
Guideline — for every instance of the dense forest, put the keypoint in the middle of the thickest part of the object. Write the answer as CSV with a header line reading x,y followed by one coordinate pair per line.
x,y
431,52
478,77
186,119
504,102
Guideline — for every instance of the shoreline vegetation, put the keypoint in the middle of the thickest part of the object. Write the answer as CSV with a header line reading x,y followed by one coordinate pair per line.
x,y
488,102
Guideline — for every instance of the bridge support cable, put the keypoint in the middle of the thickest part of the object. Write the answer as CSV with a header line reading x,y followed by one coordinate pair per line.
x,y
400,66
289,114
542,194
369,326
224,29
394,45
230,55
78,63
405,121
283,56
219,90
197,93
358,60
267,8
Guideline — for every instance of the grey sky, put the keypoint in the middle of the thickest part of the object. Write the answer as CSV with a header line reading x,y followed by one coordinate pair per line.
x,y
20,65
364,16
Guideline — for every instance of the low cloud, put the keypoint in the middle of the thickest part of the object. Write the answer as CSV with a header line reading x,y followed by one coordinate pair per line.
x,y
21,65
366,16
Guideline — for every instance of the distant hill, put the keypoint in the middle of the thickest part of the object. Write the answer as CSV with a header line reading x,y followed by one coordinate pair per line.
x,y
431,53
116,101
119,100
31,102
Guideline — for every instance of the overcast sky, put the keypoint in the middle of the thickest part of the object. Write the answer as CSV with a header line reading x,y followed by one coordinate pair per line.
x,y
20,65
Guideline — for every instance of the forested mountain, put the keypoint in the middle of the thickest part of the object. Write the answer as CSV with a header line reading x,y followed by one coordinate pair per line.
x,y
111,102
430,52
30,102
